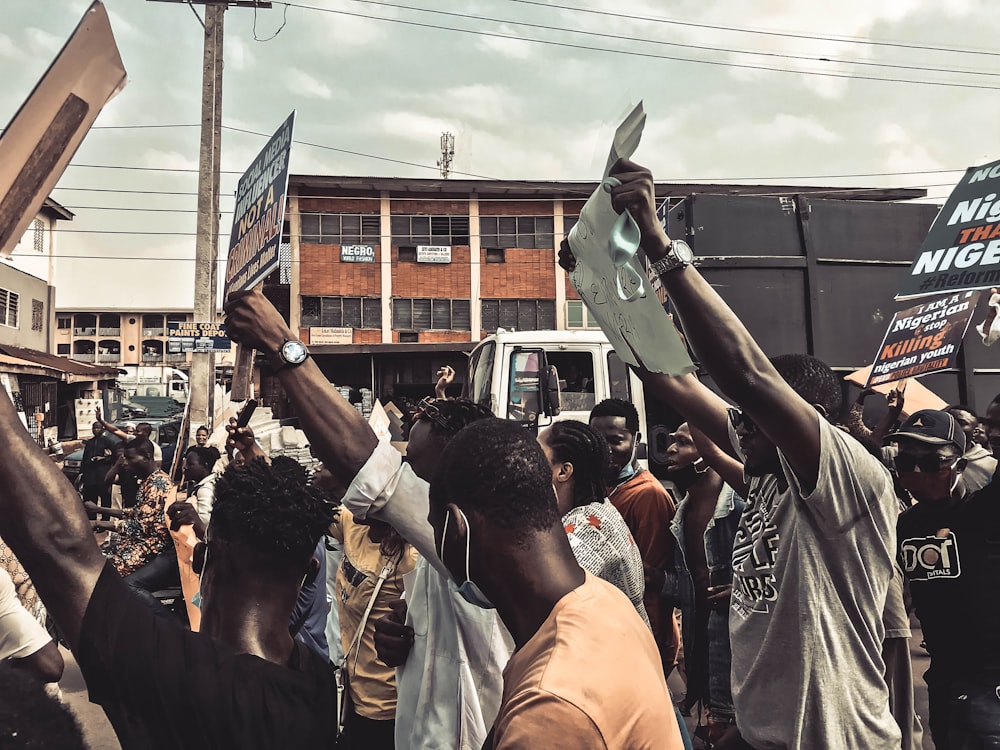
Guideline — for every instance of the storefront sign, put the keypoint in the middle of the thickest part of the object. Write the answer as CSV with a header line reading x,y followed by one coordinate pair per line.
x,y
357,254
197,337
433,253
318,336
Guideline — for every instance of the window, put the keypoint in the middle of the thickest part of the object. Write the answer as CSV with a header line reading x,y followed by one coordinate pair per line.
x,y
9,302
430,230
519,314
577,315
62,349
431,314
64,321
341,229
576,378
618,377
37,315
38,231
407,255
530,232
341,312
496,255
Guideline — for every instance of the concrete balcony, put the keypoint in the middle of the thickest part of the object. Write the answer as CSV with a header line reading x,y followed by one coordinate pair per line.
x,y
109,331
109,358
84,331
176,358
84,357
152,358
152,332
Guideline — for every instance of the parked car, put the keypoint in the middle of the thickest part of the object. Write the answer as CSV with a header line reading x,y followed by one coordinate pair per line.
x,y
165,434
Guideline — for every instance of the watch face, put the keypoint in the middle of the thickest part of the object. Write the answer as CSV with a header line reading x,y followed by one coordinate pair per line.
x,y
294,352
682,250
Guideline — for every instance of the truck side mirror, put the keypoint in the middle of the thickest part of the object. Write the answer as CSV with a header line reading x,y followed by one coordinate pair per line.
x,y
551,393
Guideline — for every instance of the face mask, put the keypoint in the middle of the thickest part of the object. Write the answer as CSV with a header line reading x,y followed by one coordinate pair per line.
x,y
628,470
468,590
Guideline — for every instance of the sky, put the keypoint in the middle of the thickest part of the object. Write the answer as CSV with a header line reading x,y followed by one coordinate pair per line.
x,y
772,91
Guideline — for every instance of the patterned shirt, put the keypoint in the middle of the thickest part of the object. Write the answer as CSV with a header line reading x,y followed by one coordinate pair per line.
x,y
604,546
142,533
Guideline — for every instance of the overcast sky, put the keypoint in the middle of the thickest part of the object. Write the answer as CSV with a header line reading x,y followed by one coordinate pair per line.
x,y
374,85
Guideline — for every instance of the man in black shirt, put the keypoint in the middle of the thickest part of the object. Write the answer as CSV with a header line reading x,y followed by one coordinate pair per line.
x,y
242,681
949,548
98,456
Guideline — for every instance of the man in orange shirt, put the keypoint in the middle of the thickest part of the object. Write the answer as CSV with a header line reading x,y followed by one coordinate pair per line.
x,y
647,510
585,672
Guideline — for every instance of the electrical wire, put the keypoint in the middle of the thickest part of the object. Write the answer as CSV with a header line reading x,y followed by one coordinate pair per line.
x,y
649,55
764,32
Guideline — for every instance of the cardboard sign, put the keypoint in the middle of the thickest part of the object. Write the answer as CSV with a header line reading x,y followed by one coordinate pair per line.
x,y
626,307
962,249
923,338
51,124
259,214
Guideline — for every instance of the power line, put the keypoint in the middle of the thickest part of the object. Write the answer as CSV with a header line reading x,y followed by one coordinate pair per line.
x,y
683,45
648,55
764,32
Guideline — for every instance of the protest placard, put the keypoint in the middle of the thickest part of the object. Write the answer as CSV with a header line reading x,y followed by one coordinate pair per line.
x,y
259,214
923,338
49,127
610,278
962,249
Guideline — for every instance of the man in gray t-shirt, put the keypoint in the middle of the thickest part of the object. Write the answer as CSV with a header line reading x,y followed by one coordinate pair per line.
x,y
813,557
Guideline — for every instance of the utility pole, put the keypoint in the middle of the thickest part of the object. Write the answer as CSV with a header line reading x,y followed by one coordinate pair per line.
x,y
202,383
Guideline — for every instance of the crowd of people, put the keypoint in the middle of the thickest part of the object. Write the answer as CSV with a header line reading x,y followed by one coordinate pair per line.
x,y
501,589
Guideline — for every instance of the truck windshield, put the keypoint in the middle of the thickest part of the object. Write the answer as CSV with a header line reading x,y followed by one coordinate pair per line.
x,y
481,374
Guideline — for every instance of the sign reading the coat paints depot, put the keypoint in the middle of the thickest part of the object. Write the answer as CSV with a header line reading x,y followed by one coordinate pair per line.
x,y
357,254
318,336
197,337
433,253
962,249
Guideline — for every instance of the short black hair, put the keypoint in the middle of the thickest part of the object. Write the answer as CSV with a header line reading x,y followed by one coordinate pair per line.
x,y
458,413
274,509
584,447
206,456
495,468
813,380
31,718
142,446
203,427
618,407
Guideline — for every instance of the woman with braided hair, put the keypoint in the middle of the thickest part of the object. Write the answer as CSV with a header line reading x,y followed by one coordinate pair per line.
x,y
597,533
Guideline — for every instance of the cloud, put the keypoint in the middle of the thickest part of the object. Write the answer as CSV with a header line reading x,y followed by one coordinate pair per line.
x,y
8,48
301,83
155,159
514,49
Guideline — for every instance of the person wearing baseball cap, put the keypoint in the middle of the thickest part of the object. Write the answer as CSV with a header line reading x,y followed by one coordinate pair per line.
x,y
947,544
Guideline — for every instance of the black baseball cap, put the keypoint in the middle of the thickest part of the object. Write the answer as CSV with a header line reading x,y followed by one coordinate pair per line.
x,y
931,426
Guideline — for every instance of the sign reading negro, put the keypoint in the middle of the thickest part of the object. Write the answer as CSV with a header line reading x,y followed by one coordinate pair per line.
x,y
259,214
962,248
923,338
197,337
357,254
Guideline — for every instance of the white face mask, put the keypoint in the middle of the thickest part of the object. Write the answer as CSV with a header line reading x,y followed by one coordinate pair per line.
x,y
467,590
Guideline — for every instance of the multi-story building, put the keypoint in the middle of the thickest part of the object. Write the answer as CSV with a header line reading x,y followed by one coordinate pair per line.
x,y
387,279
126,339
27,283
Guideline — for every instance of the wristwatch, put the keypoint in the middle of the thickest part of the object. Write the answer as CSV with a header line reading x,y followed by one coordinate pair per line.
x,y
679,254
291,353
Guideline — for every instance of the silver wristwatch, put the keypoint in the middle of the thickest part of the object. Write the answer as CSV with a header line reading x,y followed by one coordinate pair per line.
x,y
292,352
679,254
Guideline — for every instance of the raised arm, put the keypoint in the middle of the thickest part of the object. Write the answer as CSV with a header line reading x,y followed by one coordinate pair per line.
x,y
721,341
43,521
116,431
724,464
339,436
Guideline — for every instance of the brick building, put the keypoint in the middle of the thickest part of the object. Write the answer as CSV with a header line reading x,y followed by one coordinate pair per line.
x,y
386,279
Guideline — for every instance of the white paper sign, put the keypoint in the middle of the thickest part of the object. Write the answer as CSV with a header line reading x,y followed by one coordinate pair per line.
x,y
625,306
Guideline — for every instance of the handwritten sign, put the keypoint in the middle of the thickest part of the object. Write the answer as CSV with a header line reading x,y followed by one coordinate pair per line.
x,y
923,338
616,297
259,215
962,248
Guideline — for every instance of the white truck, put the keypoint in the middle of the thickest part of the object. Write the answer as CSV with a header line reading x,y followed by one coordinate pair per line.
x,y
540,377
149,381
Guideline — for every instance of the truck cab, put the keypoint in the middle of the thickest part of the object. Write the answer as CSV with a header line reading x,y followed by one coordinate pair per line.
x,y
539,377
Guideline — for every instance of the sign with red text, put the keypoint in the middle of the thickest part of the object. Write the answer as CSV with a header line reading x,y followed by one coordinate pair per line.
x,y
923,338
259,214
962,249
